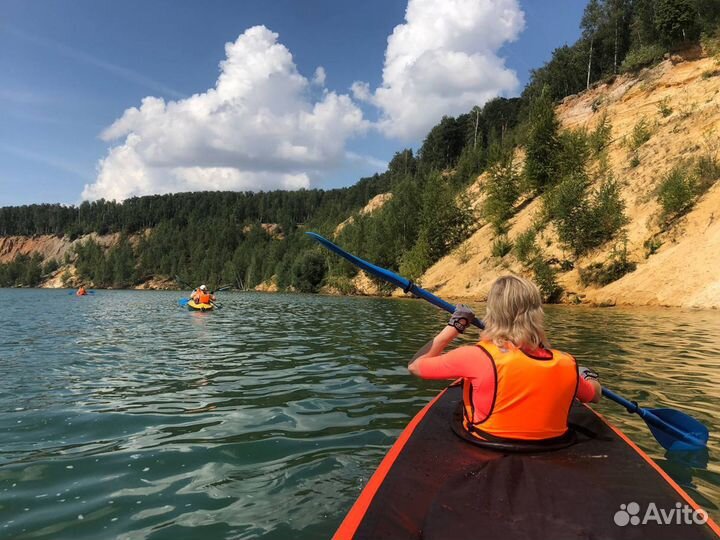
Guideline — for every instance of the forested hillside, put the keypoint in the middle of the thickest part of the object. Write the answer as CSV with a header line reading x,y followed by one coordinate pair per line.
x,y
627,213
208,236
518,145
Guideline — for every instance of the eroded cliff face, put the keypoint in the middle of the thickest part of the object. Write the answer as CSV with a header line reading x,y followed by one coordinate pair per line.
x,y
49,247
60,249
373,205
680,103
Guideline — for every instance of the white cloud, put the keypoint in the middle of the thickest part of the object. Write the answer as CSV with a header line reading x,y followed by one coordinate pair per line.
x,y
258,128
361,91
319,77
266,126
442,61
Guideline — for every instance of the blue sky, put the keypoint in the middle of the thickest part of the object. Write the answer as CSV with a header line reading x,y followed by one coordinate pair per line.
x,y
71,69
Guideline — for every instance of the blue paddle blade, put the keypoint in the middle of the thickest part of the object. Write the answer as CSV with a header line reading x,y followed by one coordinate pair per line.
x,y
673,429
695,434
183,302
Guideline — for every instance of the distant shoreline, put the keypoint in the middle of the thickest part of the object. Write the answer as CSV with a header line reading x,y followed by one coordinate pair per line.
x,y
392,296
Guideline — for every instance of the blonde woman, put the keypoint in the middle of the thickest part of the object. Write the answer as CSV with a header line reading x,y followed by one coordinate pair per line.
x,y
516,389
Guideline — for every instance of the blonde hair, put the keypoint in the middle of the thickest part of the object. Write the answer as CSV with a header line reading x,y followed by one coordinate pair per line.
x,y
514,313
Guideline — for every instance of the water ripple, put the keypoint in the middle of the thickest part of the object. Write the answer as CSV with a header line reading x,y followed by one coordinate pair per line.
x,y
123,416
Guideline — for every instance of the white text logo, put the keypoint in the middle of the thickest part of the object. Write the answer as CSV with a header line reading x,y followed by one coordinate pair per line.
x,y
681,514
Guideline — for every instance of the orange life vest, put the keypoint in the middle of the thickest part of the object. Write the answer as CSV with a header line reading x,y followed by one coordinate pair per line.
x,y
532,399
81,291
203,297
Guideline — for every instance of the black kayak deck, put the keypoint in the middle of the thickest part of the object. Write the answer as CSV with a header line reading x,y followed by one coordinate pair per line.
x,y
434,485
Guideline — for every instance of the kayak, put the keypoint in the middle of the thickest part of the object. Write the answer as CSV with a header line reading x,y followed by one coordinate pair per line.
x,y
433,484
194,306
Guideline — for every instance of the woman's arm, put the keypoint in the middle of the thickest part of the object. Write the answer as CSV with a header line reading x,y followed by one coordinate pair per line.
x,y
433,347
460,320
589,388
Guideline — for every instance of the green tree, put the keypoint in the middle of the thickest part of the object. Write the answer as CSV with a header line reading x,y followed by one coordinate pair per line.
x,y
573,152
543,145
308,272
643,31
443,145
585,219
564,74
471,163
502,190
402,166
50,266
619,17
121,262
444,222
590,24
676,21
415,261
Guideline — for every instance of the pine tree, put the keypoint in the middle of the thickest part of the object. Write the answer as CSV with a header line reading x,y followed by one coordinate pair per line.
x,y
543,145
591,20
676,21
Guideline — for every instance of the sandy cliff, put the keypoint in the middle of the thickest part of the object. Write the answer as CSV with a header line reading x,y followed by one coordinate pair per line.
x,y
685,270
60,249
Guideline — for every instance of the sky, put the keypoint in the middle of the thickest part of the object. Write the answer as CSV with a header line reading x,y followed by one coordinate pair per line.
x,y
119,99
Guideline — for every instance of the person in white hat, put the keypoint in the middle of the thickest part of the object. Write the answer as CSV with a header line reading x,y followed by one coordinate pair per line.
x,y
202,296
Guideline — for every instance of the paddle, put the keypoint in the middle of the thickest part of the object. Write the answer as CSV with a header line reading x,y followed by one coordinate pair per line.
x,y
223,288
391,277
673,429
181,282
183,302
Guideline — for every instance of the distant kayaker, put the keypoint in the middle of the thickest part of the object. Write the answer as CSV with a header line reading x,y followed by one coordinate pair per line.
x,y
515,387
81,291
202,296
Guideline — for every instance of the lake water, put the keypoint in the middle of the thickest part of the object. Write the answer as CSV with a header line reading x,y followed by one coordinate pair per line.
x,y
124,416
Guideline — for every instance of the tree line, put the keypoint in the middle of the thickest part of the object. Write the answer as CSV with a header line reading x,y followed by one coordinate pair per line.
x,y
139,213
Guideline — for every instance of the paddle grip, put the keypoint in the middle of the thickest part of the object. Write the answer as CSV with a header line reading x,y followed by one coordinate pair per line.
x,y
438,302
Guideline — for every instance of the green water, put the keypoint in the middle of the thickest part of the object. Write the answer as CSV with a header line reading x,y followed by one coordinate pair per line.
x,y
125,416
